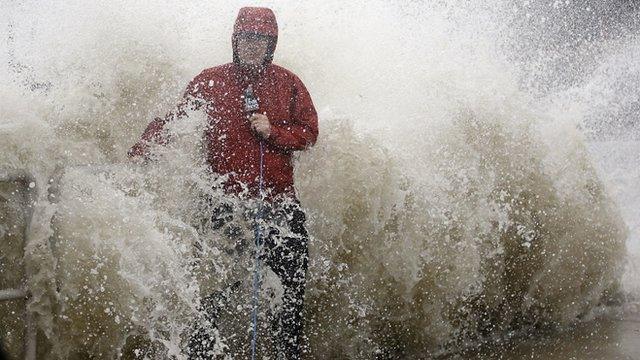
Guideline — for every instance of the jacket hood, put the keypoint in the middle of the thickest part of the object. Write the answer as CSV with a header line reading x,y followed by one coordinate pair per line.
x,y
256,20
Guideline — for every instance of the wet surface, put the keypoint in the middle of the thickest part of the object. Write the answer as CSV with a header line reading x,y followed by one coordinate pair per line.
x,y
604,339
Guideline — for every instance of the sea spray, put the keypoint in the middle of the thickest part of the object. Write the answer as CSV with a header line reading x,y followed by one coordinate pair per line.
x,y
446,206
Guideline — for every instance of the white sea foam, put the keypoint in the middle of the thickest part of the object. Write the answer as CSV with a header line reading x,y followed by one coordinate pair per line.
x,y
446,205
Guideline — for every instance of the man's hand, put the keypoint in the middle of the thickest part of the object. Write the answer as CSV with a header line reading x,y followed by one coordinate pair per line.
x,y
260,125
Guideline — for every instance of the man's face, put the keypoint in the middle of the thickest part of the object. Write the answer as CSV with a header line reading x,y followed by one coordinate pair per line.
x,y
252,49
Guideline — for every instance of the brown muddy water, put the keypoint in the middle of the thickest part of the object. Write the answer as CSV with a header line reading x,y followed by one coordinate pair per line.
x,y
602,339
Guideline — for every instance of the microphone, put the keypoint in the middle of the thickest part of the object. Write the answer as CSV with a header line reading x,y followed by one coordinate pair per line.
x,y
251,104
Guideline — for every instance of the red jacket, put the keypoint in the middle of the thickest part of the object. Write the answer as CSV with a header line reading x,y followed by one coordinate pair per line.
x,y
232,148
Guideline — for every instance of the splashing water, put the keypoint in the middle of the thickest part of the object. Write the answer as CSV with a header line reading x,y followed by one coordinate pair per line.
x,y
448,206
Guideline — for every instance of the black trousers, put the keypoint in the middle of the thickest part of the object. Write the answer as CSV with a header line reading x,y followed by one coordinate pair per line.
x,y
287,255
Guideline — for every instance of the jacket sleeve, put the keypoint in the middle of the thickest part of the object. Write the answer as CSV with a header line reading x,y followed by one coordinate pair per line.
x,y
154,134
302,132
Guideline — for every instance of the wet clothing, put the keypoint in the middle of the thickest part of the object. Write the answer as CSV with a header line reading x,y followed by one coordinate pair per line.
x,y
232,148
256,20
287,256
289,259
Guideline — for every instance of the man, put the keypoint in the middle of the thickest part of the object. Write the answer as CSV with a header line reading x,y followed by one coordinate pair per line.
x,y
239,142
